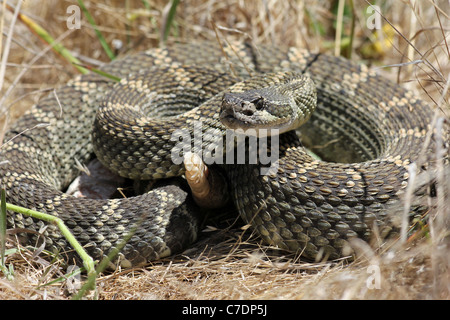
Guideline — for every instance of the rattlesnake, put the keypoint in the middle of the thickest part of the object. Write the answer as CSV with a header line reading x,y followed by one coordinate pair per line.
x,y
370,131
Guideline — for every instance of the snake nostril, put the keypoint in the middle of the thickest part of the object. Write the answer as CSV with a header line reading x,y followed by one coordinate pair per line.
x,y
247,112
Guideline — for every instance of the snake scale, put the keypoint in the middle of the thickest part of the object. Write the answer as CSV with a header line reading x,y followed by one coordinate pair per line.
x,y
309,206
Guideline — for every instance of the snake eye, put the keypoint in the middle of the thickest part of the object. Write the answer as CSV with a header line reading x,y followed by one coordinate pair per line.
x,y
259,103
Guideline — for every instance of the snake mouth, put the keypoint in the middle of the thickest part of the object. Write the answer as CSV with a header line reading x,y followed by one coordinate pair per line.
x,y
251,125
246,114
237,113
257,123
237,120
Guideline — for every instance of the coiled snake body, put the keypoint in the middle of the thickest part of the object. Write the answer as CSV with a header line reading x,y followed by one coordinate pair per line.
x,y
307,205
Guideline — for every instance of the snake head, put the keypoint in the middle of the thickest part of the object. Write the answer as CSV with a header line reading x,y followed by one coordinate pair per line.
x,y
283,102
241,107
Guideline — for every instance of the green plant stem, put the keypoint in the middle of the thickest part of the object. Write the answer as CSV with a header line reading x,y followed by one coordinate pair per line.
x,y
88,262
100,37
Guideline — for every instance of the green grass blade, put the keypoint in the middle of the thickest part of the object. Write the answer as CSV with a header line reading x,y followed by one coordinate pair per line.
x,y
2,227
104,263
45,36
63,278
100,72
169,20
352,29
146,4
100,37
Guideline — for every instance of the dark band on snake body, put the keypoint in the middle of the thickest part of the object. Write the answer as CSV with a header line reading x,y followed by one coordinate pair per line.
x,y
307,206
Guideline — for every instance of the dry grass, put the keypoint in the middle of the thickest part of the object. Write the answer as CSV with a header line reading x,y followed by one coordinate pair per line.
x,y
231,264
